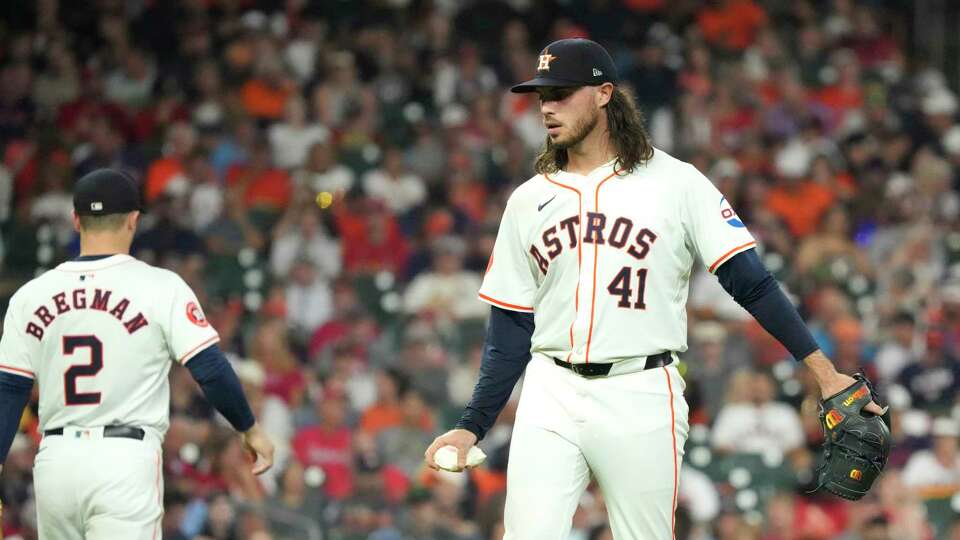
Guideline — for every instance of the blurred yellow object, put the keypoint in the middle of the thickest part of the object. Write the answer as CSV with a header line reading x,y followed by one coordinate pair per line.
x,y
324,199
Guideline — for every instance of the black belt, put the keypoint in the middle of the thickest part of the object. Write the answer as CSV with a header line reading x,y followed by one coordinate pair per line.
x,y
601,370
125,432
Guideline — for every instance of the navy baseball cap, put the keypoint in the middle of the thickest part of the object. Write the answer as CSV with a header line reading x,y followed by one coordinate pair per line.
x,y
106,191
571,62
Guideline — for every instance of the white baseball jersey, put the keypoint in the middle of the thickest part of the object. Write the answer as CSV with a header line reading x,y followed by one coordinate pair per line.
x,y
603,260
98,337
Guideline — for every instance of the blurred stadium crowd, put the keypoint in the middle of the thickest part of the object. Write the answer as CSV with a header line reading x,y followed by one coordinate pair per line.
x,y
356,330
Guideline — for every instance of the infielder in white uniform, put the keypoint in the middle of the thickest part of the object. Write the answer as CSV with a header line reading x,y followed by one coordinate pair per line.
x,y
98,334
588,284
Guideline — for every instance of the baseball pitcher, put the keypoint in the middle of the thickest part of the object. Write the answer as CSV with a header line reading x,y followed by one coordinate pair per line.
x,y
588,283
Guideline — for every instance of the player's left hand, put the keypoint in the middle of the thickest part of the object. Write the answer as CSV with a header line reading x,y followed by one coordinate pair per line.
x,y
258,445
832,382
842,381
856,445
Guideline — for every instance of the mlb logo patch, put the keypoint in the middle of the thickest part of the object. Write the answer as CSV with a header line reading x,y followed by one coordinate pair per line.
x,y
96,206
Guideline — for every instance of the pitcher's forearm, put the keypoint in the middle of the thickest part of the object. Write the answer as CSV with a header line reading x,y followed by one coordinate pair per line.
x,y
506,351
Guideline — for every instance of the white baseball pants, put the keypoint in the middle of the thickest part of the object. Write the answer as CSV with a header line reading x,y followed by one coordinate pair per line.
x,y
628,431
95,488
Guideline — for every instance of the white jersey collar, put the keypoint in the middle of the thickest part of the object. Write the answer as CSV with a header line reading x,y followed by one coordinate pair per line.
x,y
97,264
599,173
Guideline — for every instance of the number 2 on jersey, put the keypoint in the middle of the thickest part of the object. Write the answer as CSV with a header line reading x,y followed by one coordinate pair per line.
x,y
70,344
621,286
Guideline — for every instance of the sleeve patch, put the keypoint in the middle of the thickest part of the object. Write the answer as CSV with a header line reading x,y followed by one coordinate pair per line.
x,y
196,316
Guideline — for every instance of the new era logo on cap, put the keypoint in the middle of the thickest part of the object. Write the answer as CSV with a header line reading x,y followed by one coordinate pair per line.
x,y
597,72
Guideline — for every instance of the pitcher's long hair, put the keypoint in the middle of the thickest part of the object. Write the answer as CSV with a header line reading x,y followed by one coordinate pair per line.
x,y
627,133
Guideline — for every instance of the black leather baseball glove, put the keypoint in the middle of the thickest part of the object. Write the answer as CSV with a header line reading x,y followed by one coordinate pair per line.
x,y
857,443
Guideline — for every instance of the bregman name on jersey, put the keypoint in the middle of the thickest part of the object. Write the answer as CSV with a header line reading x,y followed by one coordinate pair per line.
x,y
84,299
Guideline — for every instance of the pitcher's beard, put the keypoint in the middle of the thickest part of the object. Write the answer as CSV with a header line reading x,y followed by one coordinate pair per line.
x,y
580,132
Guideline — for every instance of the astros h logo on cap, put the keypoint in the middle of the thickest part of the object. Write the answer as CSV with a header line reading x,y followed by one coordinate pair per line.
x,y
545,60
570,63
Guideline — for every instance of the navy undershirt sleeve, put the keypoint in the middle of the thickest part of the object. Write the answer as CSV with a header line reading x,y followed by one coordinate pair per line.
x,y
220,385
14,394
752,286
506,352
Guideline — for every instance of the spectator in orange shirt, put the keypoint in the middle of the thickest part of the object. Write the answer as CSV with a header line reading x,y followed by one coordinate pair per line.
x,y
264,187
798,201
800,205
386,412
181,138
265,95
731,24
825,172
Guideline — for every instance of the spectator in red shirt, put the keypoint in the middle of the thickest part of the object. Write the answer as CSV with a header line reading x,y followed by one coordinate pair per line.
x,y
346,312
846,94
328,445
873,46
74,118
284,376
795,518
376,480
371,239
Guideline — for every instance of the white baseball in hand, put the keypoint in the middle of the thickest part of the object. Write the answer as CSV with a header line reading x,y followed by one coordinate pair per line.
x,y
446,457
